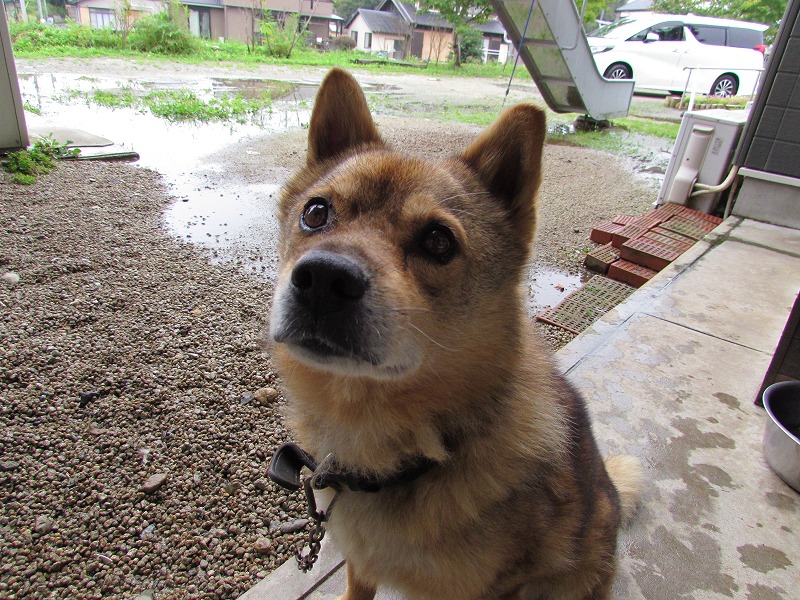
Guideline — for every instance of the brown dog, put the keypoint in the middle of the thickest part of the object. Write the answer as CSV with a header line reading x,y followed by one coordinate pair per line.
x,y
408,357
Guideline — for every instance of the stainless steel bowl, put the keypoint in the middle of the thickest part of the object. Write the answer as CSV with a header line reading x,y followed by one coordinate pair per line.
x,y
782,432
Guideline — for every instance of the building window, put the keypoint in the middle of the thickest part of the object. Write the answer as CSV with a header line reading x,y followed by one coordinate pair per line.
x,y
101,18
368,40
200,23
354,35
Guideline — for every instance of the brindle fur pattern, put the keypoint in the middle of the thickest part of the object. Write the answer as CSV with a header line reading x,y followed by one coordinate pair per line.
x,y
405,354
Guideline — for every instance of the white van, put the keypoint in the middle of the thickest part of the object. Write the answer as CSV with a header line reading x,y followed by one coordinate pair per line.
x,y
656,50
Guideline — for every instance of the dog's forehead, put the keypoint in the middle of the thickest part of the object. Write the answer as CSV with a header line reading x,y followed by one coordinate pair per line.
x,y
389,181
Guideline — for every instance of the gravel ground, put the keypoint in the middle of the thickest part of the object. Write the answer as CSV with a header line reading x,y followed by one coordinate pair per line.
x,y
138,411
126,355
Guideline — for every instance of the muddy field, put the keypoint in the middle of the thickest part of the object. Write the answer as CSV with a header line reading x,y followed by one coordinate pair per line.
x,y
138,409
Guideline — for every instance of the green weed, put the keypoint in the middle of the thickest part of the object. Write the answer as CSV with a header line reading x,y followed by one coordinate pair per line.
x,y
23,179
159,33
125,99
26,165
31,109
185,105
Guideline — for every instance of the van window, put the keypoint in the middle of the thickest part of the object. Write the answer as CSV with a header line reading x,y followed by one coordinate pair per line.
x,y
744,38
671,31
708,34
609,27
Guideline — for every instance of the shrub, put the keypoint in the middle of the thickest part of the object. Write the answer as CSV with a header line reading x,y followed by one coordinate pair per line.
x,y
33,36
158,33
343,42
280,38
471,44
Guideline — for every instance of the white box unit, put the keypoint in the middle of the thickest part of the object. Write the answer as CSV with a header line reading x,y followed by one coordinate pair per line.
x,y
727,126
13,132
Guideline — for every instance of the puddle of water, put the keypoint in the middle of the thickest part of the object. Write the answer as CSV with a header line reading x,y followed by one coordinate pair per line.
x,y
263,88
235,221
172,148
547,287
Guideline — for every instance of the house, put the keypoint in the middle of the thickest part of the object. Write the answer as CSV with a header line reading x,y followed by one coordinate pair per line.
x,y
242,17
382,32
107,13
215,19
401,30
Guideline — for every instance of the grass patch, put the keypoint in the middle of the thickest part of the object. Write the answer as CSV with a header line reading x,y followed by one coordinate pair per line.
x,y
474,115
660,129
124,99
26,165
605,140
182,105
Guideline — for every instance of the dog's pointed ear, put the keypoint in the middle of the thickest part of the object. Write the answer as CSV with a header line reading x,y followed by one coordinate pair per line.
x,y
507,158
340,119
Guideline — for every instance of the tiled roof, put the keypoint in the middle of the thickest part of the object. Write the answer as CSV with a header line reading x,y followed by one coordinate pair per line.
x,y
492,26
382,22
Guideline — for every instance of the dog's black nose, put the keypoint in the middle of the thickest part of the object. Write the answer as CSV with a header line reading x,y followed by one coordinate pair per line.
x,y
326,280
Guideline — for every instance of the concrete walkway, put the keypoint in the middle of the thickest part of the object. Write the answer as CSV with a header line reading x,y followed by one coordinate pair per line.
x,y
670,376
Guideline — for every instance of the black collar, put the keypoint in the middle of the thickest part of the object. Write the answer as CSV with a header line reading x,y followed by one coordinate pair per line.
x,y
289,459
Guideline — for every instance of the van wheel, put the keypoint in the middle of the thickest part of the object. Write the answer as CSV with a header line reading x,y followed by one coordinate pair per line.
x,y
618,71
725,86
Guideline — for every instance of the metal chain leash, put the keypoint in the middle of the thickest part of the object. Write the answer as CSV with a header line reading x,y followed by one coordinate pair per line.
x,y
305,562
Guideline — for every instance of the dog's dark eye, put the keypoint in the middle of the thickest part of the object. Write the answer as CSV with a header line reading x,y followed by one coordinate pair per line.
x,y
438,242
315,213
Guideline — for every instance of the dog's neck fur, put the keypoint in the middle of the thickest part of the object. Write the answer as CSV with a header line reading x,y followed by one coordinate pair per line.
x,y
372,425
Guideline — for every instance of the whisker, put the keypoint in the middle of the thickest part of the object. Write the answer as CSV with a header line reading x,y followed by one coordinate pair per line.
x,y
408,309
442,346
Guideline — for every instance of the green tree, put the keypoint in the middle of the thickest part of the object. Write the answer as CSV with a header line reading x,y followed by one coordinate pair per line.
x,y
346,8
471,45
282,32
768,12
461,14
594,10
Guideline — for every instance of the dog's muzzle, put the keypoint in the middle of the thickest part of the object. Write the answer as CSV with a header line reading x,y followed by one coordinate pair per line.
x,y
324,308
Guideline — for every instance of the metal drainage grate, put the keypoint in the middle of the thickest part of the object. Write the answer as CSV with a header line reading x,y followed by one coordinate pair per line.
x,y
583,307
